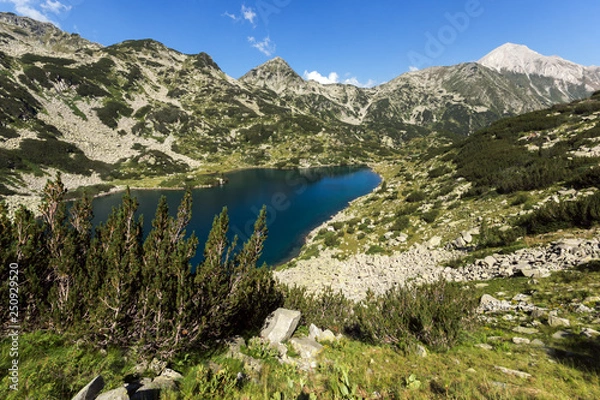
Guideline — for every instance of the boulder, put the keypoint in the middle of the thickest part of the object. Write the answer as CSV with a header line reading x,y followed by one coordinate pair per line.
x,y
280,325
466,237
434,242
116,394
307,348
490,261
91,390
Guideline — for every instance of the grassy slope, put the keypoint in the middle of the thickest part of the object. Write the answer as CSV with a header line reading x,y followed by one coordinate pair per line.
x,y
53,367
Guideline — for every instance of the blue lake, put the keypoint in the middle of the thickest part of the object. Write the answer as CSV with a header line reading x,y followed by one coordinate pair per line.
x,y
297,201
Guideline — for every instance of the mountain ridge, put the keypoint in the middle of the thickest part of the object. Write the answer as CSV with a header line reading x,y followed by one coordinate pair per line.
x,y
140,110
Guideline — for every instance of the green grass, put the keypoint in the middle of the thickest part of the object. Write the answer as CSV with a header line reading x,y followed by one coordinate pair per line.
x,y
54,367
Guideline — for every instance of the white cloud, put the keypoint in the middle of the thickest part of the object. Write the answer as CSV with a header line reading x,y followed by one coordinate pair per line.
x,y
354,81
249,14
55,7
39,10
265,46
232,16
333,77
412,68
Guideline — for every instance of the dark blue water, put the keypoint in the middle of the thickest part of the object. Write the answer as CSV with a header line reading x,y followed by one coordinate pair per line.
x,y
297,201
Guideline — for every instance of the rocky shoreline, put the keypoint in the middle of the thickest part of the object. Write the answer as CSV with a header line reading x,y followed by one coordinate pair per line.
x,y
422,264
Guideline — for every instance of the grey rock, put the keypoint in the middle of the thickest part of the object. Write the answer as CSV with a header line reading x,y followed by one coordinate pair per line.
x,y
327,336
514,372
590,333
116,394
537,343
171,374
556,322
539,314
466,236
91,390
484,346
561,335
583,309
314,331
420,351
280,325
435,241
524,330
490,261
307,348
157,366
520,340
147,392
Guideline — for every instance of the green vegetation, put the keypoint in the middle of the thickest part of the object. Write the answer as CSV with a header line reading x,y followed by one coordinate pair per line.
x,y
513,155
113,289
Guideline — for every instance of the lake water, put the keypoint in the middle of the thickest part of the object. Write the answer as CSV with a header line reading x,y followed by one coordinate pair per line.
x,y
297,202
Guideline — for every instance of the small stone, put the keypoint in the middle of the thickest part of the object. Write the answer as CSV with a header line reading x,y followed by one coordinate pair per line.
x,y
484,346
490,261
420,351
314,331
520,340
538,343
471,370
306,347
589,332
592,299
539,314
556,322
524,330
560,335
583,309
514,372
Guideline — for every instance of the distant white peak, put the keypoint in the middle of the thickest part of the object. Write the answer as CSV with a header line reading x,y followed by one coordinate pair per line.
x,y
520,58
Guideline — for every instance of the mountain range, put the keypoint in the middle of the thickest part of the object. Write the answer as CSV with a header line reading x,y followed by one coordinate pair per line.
x,y
138,110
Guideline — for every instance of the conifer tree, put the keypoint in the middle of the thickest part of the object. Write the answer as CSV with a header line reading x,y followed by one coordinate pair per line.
x,y
60,264
117,255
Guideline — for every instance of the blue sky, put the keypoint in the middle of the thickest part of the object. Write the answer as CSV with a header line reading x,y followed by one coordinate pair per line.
x,y
352,41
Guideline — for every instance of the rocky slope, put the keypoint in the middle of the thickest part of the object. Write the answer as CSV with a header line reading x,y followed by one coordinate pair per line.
x,y
568,78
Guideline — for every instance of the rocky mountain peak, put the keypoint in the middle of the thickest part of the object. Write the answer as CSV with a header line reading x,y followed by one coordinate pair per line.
x,y
275,74
520,59
20,35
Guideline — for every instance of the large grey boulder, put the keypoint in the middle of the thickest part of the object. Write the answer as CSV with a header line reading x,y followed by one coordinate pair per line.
x,y
91,390
116,394
280,325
